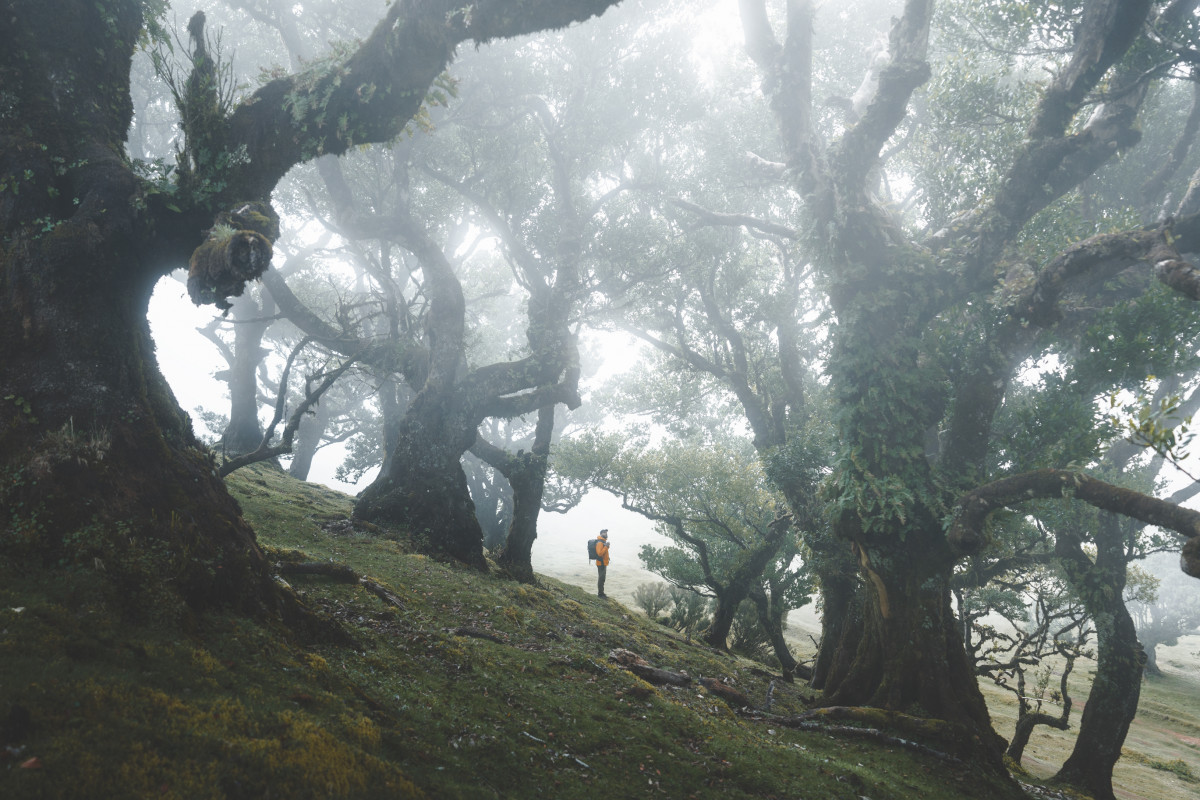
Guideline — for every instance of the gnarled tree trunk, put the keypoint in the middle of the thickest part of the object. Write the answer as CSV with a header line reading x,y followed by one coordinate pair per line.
x,y
99,466
92,441
1113,700
425,486
907,651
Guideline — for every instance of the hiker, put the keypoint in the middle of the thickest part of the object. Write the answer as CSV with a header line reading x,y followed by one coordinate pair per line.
x,y
602,559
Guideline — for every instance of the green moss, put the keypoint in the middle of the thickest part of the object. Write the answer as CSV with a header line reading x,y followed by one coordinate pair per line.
x,y
225,707
1177,766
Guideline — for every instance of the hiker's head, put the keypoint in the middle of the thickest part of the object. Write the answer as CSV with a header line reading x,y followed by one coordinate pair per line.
x,y
604,534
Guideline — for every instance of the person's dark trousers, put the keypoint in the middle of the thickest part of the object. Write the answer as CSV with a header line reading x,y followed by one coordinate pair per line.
x,y
601,569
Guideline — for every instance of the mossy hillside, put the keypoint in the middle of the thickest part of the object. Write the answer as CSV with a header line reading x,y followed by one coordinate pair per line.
x,y
462,685
93,707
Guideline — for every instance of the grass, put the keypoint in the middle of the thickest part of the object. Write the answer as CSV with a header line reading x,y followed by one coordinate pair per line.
x,y
1161,756
462,685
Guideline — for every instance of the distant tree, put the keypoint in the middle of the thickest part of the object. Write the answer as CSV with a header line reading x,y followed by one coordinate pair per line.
x,y
250,318
1171,611
1041,628
493,500
712,499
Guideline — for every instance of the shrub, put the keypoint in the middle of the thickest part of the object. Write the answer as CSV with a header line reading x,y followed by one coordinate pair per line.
x,y
652,598
689,611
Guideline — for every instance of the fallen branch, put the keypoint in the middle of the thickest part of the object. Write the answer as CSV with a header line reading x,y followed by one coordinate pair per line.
x,y
727,693
816,720
639,666
906,723
338,572
342,574
382,592
476,633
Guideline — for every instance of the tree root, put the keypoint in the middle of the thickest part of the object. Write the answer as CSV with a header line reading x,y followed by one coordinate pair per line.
x,y
814,721
341,574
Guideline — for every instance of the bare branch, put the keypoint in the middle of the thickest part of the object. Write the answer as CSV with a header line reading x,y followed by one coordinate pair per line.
x,y
716,218
265,450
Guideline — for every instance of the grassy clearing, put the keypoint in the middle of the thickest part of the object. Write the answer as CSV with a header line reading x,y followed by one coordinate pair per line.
x,y
461,686
1161,756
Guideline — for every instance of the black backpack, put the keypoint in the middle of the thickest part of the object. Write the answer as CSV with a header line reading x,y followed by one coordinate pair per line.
x,y
592,554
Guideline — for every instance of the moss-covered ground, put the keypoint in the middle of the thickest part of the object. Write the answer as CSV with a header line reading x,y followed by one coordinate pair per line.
x,y
460,685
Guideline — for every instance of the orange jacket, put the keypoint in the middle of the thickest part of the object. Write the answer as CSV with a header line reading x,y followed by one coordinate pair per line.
x,y
602,552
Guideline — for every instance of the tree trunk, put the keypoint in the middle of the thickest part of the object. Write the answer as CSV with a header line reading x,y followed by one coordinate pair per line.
x,y
493,501
744,576
838,607
425,487
841,631
308,441
527,476
104,449
98,465
770,616
1151,667
1111,706
92,441
1116,688
244,432
728,599
1027,720
908,652
393,397
1025,726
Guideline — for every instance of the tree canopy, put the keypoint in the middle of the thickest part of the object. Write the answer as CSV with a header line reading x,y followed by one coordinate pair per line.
x,y
915,282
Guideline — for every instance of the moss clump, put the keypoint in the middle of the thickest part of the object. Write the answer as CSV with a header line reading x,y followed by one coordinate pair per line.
x,y
1177,767
222,265
237,250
